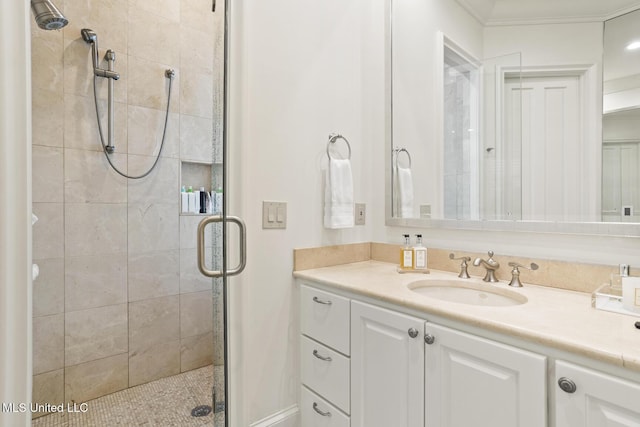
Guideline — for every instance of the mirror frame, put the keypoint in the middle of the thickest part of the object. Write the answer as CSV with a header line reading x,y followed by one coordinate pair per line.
x,y
616,229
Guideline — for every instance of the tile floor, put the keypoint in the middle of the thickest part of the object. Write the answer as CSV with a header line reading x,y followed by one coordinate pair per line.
x,y
165,402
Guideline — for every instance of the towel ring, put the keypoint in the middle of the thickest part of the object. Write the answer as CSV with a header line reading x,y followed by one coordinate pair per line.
x,y
401,150
333,138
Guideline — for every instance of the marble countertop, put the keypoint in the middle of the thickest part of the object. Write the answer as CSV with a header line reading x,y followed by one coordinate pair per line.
x,y
553,317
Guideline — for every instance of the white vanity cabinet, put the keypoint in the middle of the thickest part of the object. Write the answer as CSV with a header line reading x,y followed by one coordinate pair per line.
x,y
473,381
387,368
588,398
324,352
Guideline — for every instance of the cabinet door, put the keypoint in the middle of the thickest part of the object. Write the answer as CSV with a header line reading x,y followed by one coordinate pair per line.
x,y
387,368
598,399
472,381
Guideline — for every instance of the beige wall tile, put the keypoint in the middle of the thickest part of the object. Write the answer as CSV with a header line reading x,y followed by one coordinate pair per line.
x,y
48,343
196,311
191,280
46,57
88,178
169,9
95,333
196,92
196,352
195,138
385,252
107,18
148,86
48,232
95,229
154,274
47,174
153,228
81,125
197,14
189,232
95,281
154,37
47,109
96,378
48,388
153,321
160,186
154,362
200,58
145,128
48,288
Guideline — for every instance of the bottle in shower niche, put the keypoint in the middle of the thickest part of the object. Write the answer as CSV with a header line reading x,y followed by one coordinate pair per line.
x,y
406,254
184,200
217,201
420,254
203,201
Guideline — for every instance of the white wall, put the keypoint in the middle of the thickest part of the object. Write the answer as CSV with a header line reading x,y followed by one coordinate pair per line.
x,y
15,211
299,71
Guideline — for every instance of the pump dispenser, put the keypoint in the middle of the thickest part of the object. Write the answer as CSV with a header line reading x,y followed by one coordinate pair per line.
x,y
420,254
406,254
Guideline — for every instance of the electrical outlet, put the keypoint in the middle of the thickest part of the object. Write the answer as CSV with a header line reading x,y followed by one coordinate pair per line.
x,y
360,213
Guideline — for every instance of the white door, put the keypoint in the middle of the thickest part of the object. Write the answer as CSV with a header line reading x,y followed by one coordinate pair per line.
x,y
596,399
620,189
387,368
552,172
472,381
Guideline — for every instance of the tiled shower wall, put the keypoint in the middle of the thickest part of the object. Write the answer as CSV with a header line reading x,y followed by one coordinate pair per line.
x,y
119,300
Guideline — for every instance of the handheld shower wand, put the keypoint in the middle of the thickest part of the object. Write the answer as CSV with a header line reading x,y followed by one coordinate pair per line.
x,y
90,37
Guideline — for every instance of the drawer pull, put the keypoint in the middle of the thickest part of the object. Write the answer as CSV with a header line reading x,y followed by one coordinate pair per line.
x,y
325,358
324,414
319,301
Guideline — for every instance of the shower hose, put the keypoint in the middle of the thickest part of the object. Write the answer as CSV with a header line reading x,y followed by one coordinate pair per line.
x,y
104,146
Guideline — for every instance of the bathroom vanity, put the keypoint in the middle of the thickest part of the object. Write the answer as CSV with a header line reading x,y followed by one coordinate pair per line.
x,y
378,351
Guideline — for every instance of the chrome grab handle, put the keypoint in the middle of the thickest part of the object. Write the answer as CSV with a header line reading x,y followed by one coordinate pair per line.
x,y
201,243
324,414
319,301
325,358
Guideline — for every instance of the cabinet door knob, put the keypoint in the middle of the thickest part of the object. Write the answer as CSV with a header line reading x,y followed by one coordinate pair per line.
x,y
429,339
413,332
567,385
323,413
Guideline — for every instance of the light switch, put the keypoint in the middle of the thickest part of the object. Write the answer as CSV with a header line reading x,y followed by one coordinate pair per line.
x,y
274,215
360,214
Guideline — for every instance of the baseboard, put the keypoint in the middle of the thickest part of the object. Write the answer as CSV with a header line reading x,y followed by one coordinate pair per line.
x,y
285,418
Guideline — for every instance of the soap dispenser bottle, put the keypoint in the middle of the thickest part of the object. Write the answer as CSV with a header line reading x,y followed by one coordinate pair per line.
x,y
420,254
406,254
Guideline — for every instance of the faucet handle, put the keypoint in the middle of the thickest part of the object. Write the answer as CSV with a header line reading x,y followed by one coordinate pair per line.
x,y
515,273
464,274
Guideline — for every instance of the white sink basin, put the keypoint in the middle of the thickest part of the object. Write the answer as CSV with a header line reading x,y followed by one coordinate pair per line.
x,y
464,292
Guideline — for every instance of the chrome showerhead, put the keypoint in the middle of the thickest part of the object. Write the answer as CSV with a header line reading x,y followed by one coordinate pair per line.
x,y
48,17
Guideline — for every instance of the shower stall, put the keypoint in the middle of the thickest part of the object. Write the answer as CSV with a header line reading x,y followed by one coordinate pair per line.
x,y
120,301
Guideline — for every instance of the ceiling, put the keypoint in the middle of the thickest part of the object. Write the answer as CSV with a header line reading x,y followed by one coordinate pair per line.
x,y
506,12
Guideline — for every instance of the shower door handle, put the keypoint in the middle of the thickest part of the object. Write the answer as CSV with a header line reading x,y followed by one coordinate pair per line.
x,y
201,246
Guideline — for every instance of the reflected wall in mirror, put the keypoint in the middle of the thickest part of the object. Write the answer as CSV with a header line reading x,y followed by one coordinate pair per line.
x,y
537,151
621,119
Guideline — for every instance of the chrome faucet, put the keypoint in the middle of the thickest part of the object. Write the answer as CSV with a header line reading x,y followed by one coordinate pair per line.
x,y
491,265
515,273
464,274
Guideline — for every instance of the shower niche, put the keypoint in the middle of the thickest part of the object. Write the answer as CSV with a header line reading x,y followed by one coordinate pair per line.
x,y
196,175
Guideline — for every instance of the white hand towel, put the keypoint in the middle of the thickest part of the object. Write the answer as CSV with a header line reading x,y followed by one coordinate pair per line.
x,y
338,195
405,192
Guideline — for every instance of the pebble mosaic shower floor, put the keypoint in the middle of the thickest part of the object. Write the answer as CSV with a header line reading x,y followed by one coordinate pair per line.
x,y
165,402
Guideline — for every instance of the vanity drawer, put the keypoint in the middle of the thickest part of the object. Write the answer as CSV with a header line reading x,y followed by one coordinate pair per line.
x,y
317,412
326,372
325,317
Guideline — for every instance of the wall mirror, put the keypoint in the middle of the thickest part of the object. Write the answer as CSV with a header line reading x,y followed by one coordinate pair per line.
x,y
511,115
